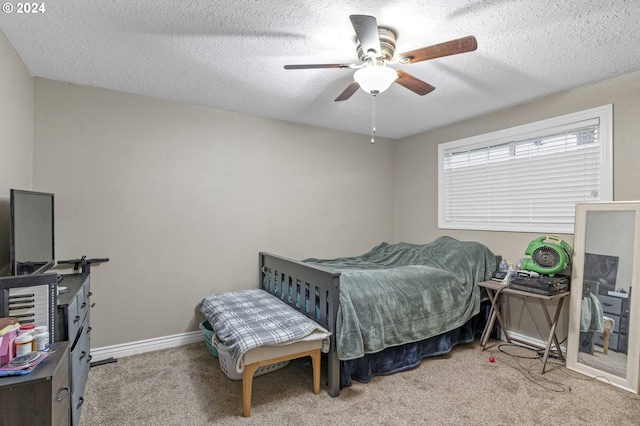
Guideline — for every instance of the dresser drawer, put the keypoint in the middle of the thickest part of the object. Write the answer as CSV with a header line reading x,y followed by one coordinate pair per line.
x,y
80,360
87,293
610,304
73,320
61,395
82,302
623,343
613,340
76,313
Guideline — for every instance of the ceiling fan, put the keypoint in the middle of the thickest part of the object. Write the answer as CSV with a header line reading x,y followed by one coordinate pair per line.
x,y
376,48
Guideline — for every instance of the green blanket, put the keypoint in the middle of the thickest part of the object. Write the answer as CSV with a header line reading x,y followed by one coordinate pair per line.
x,y
401,293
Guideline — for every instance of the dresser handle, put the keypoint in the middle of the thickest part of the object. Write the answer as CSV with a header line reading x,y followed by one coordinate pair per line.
x,y
90,358
89,329
80,402
84,305
77,318
84,353
90,294
61,397
93,304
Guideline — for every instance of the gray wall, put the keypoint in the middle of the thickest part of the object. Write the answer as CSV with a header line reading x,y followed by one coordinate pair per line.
x,y
417,170
16,136
182,198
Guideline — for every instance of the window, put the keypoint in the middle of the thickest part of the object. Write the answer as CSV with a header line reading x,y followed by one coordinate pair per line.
x,y
527,178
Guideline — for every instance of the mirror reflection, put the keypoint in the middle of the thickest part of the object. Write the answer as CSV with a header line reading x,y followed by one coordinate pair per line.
x,y
608,269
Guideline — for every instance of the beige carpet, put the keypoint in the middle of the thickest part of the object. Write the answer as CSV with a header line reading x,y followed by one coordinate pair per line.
x,y
185,386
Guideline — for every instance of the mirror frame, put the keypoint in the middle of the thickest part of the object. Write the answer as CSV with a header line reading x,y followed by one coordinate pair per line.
x,y
630,381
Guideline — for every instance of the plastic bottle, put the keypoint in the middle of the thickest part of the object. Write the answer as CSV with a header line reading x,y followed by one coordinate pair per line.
x,y
24,344
511,273
41,338
28,330
41,341
504,266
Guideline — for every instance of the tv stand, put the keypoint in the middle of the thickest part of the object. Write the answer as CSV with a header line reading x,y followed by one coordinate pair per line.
x,y
86,263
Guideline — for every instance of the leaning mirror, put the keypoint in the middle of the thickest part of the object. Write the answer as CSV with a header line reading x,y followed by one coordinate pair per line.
x,y
604,334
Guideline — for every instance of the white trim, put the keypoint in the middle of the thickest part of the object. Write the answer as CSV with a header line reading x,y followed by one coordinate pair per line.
x,y
604,115
148,345
631,380
534,342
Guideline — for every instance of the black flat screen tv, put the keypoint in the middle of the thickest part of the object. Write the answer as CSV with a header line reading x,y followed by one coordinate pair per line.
x,y
31,235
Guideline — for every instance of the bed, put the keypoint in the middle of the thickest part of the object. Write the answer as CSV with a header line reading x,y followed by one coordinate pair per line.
x,y
388,308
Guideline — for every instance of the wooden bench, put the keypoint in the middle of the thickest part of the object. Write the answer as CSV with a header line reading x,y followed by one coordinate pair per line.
x,y
263,331
268,355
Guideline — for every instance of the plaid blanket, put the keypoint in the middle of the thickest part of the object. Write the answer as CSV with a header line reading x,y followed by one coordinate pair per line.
x,y
248,319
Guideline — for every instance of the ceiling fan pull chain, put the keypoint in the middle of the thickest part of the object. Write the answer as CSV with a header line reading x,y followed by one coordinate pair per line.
x,y
373,116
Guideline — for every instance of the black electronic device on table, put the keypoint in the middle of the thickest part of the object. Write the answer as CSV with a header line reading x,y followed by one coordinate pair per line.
x,y
498,275
544,285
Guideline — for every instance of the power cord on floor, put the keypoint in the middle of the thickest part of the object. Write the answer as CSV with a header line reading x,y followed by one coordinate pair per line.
x,y
579,376
507,354
528,371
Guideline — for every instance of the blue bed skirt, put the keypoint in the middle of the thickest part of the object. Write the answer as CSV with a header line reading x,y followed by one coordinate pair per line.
x,y
405,357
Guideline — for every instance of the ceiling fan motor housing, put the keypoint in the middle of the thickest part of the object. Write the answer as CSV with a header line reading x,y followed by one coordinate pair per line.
x,y
387,44
549,255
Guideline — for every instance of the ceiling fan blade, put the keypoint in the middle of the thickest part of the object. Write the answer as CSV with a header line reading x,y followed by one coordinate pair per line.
x,y
453,47
366,28
312,66
414,84
350,90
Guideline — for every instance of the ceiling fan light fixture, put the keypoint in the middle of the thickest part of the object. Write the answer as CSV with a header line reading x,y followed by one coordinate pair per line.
x,y
375,78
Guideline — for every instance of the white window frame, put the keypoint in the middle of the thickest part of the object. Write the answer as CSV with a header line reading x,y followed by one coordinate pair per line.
x,y
604,115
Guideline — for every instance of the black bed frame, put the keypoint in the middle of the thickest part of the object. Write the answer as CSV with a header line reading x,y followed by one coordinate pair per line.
x,y
305,281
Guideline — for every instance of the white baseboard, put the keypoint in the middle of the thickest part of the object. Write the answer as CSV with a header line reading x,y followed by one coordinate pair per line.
x,y
149,345
534,342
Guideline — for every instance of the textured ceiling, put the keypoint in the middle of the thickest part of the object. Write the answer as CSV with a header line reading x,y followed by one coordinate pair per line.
x,y
230,55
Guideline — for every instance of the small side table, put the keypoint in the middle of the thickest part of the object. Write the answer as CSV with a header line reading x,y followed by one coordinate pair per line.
x,y
495,290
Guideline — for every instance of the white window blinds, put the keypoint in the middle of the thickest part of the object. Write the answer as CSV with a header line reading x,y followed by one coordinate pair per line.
x,y
527,178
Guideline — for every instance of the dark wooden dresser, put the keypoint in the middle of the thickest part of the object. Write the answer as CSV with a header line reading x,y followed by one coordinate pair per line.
x,y
42,397
73,325
617,308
